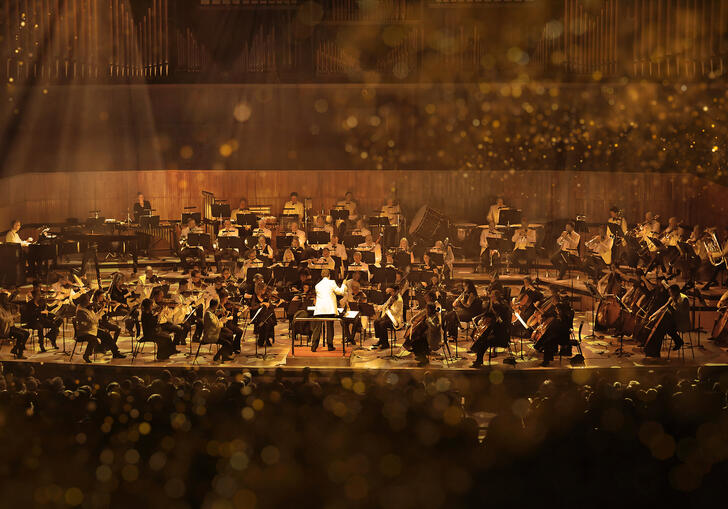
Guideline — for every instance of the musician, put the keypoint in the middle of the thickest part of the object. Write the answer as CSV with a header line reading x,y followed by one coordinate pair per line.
x,y
390,314
489,254
675,318
188,252
195,281
491,327
392,211
87,329
337,248
8,328
12,236
494,211
300,234
149,277
232,331
251,262
466,307
524,244
370,245
36,316
354,296
361,229
99,306
215,333
325,261
426,338
600,254
293,254
142,207
568,252
349,204
556,333
325,307
263,229
320,225
293,206
262,309
358,266
153,332
179,332
242,209
448,257
718,257
263,250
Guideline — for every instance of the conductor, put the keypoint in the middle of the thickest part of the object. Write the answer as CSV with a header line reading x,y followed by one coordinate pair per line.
x,y
325,307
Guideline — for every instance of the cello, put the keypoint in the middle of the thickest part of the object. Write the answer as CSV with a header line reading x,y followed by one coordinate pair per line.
x,y
720,327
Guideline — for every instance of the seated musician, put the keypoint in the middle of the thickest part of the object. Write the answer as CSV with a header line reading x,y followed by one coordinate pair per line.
x,y
179,332
263,229
370,245
349,204
357,265
293,206
36,316
251,262
196,282
568,253
404,256
388,261
230,312
392,211
102,307
87,329
12,236
494,211
149,277
226,253
448,258
668,251
361,229
263,250
153,332
718,257
466,307
353,297
293,254
338,251
556,334
320,225
142,207
8,328
120,298
216,333
298,233
427,338
325,261
489,253
600,254
524,305
671,319
228,230
390,317
188,252
721,308
262,313
491,327
242,209
524,244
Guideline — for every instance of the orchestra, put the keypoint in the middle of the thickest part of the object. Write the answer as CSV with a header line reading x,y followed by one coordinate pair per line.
x,y
280,264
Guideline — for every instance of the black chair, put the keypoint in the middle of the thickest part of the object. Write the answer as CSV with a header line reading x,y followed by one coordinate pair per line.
x,y
141,340
76,341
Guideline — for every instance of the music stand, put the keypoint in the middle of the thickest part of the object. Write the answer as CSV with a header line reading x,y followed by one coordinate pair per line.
x,y
351,241
230,243
385,275
350,272
186,216
319,237
284,241
596,297
420,276
199,240
509,216
368,257
402,259
263,271
378,221
247,219
337,214
220,209
437,258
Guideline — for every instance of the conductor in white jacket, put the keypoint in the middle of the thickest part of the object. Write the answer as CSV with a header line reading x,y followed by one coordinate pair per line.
x,y
326,292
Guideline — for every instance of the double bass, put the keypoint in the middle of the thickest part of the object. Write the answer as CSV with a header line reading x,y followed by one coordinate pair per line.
x,y
720,327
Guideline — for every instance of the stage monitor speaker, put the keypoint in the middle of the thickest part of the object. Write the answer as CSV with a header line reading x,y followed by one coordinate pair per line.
x,y
12,265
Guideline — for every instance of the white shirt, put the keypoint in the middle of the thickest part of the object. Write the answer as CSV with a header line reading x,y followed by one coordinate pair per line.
x,y
570,242
293,208
13,237
234,214
494,213
265,232
301,236
523,239
322,263
232,232
337,250
392,212
350,206
326,292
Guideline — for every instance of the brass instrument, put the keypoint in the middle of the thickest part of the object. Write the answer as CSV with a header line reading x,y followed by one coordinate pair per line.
x,y
595,245
713,249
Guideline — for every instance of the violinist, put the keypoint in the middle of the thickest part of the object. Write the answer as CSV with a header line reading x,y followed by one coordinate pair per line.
x,y
229,313
180,332
36,315
196,282
153,332
302,298
216,333
262,309
491,327
87,329
102,307
524,244
8,328
390,317
466,307
149,277
568,253
671,319
354,296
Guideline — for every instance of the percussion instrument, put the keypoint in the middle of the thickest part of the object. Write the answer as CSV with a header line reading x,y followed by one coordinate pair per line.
x,y
429,224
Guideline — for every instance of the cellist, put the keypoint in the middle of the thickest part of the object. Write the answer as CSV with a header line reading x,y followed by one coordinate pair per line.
x,y
671,319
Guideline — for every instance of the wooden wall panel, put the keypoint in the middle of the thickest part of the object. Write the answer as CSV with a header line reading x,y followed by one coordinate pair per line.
x,y
543,195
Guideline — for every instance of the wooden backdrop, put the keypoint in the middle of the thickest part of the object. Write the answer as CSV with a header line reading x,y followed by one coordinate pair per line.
x,y
543,195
